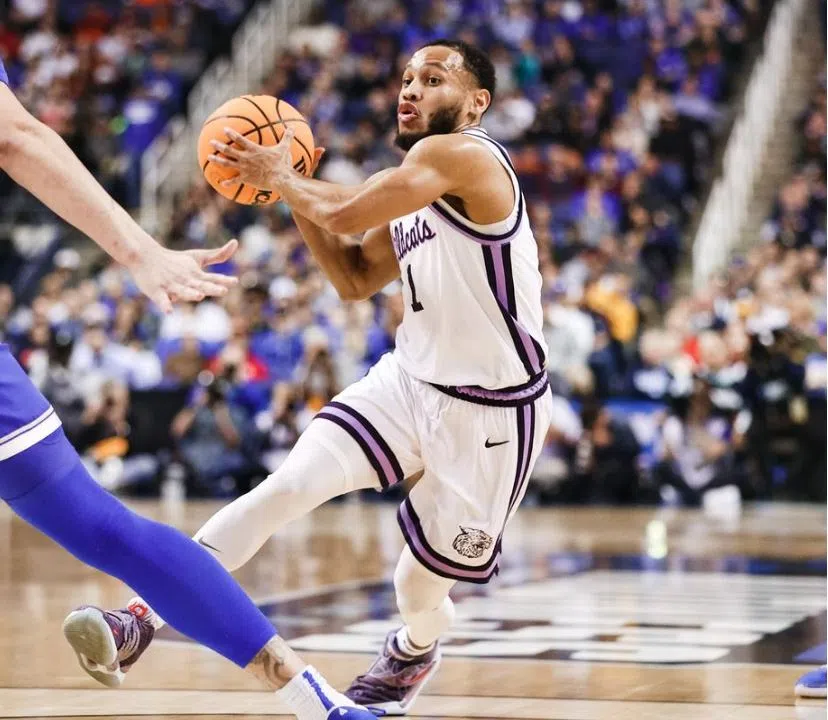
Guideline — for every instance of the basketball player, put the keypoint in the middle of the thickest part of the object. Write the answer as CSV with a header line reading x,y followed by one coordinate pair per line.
x,y
43,481
464,397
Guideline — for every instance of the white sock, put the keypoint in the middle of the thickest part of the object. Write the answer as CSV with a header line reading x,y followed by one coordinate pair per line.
x,y
139,608
407,646
309,696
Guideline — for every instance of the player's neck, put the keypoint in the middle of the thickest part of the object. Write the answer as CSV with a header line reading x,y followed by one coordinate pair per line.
x,y
467,125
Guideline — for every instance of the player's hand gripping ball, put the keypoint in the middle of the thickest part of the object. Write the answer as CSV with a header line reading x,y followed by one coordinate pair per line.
x,y
262,119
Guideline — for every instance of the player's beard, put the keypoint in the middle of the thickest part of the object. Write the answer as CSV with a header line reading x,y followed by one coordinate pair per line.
x,y
442,122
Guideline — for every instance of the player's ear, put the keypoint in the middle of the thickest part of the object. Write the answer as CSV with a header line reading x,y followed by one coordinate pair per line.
x,y
482,100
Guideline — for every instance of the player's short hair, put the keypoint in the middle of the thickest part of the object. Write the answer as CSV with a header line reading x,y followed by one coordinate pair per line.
x,y
474,59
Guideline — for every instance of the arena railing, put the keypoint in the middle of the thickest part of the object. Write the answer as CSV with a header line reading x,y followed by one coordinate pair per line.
x,y
169,163
726,210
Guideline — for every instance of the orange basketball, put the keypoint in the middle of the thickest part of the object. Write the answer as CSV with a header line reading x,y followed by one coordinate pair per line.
x,y
263,119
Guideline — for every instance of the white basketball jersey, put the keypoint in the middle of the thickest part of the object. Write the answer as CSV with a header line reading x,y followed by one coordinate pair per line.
x,y
473,314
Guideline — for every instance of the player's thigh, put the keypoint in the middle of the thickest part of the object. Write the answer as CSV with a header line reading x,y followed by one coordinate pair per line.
x,y
370,428
26,417
478,460
31,447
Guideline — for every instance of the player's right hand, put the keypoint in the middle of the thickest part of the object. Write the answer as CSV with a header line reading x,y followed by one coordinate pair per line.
x,y
167,276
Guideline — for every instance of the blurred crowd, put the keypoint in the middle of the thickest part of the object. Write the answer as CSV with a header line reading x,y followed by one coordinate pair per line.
x,y
611,111
108,74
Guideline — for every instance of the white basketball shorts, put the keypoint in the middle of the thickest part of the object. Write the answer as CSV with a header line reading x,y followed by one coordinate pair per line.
x,y
477,455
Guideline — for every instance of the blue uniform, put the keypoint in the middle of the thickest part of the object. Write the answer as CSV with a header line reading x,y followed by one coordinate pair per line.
x,y
26,417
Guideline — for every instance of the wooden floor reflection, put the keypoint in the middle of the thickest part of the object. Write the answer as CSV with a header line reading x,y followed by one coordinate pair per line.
x,y
631,584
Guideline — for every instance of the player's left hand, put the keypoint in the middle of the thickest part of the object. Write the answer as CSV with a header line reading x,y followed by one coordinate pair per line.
x,y
262,167
167,276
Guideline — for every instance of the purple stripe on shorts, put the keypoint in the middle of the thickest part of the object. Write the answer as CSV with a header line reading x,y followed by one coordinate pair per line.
x,y
526,434
430,558
523,452
527,470
532,416
377,451
378,438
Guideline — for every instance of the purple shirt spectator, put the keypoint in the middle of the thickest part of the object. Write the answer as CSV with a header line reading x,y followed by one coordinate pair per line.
x,y
282,352
145,119
670,64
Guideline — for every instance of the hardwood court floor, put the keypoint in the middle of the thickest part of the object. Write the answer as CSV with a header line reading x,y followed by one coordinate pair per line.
x,y
598,614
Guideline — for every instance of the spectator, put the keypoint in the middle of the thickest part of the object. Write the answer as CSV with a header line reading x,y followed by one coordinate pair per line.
x,y
281,424
183,366
691,102
606,458
569,331
215,437
609,115
701,449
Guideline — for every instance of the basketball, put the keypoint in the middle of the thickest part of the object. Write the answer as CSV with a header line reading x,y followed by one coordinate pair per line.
x,y
263,119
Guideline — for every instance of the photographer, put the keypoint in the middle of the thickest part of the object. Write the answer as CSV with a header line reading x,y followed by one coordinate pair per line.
x,y
701,448
775,394
606,458
214,437
318,376
280,424
245,372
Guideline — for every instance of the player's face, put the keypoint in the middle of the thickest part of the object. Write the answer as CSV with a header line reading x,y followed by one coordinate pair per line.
x,y
434,97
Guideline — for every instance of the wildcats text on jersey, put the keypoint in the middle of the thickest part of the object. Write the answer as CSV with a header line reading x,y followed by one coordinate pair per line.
x,y
405,240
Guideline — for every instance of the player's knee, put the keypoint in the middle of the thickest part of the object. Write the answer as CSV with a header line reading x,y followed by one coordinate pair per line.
x,y
415,594
308,469
286,481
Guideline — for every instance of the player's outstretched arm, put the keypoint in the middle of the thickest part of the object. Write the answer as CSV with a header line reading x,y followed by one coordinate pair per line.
x,y
37,158
436,166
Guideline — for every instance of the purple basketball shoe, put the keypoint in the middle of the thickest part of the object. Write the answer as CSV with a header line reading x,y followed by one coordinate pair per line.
x,y
395,679
107,643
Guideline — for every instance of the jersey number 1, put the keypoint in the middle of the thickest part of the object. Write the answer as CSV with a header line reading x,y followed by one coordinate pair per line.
x,y
416,306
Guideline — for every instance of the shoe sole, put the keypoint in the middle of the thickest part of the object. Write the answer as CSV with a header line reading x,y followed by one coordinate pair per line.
x,y
91,638
402,708
805,692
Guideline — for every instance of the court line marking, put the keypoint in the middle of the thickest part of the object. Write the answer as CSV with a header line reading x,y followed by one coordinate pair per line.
x,y
178,644
34,702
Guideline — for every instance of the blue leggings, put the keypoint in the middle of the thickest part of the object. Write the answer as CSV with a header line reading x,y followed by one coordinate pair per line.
x,y
48,487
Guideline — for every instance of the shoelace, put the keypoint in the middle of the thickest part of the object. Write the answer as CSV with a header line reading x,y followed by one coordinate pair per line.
x,y
131,639
389,675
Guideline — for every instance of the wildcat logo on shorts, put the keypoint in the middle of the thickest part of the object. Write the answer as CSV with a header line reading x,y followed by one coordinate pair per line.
x,y
472,543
